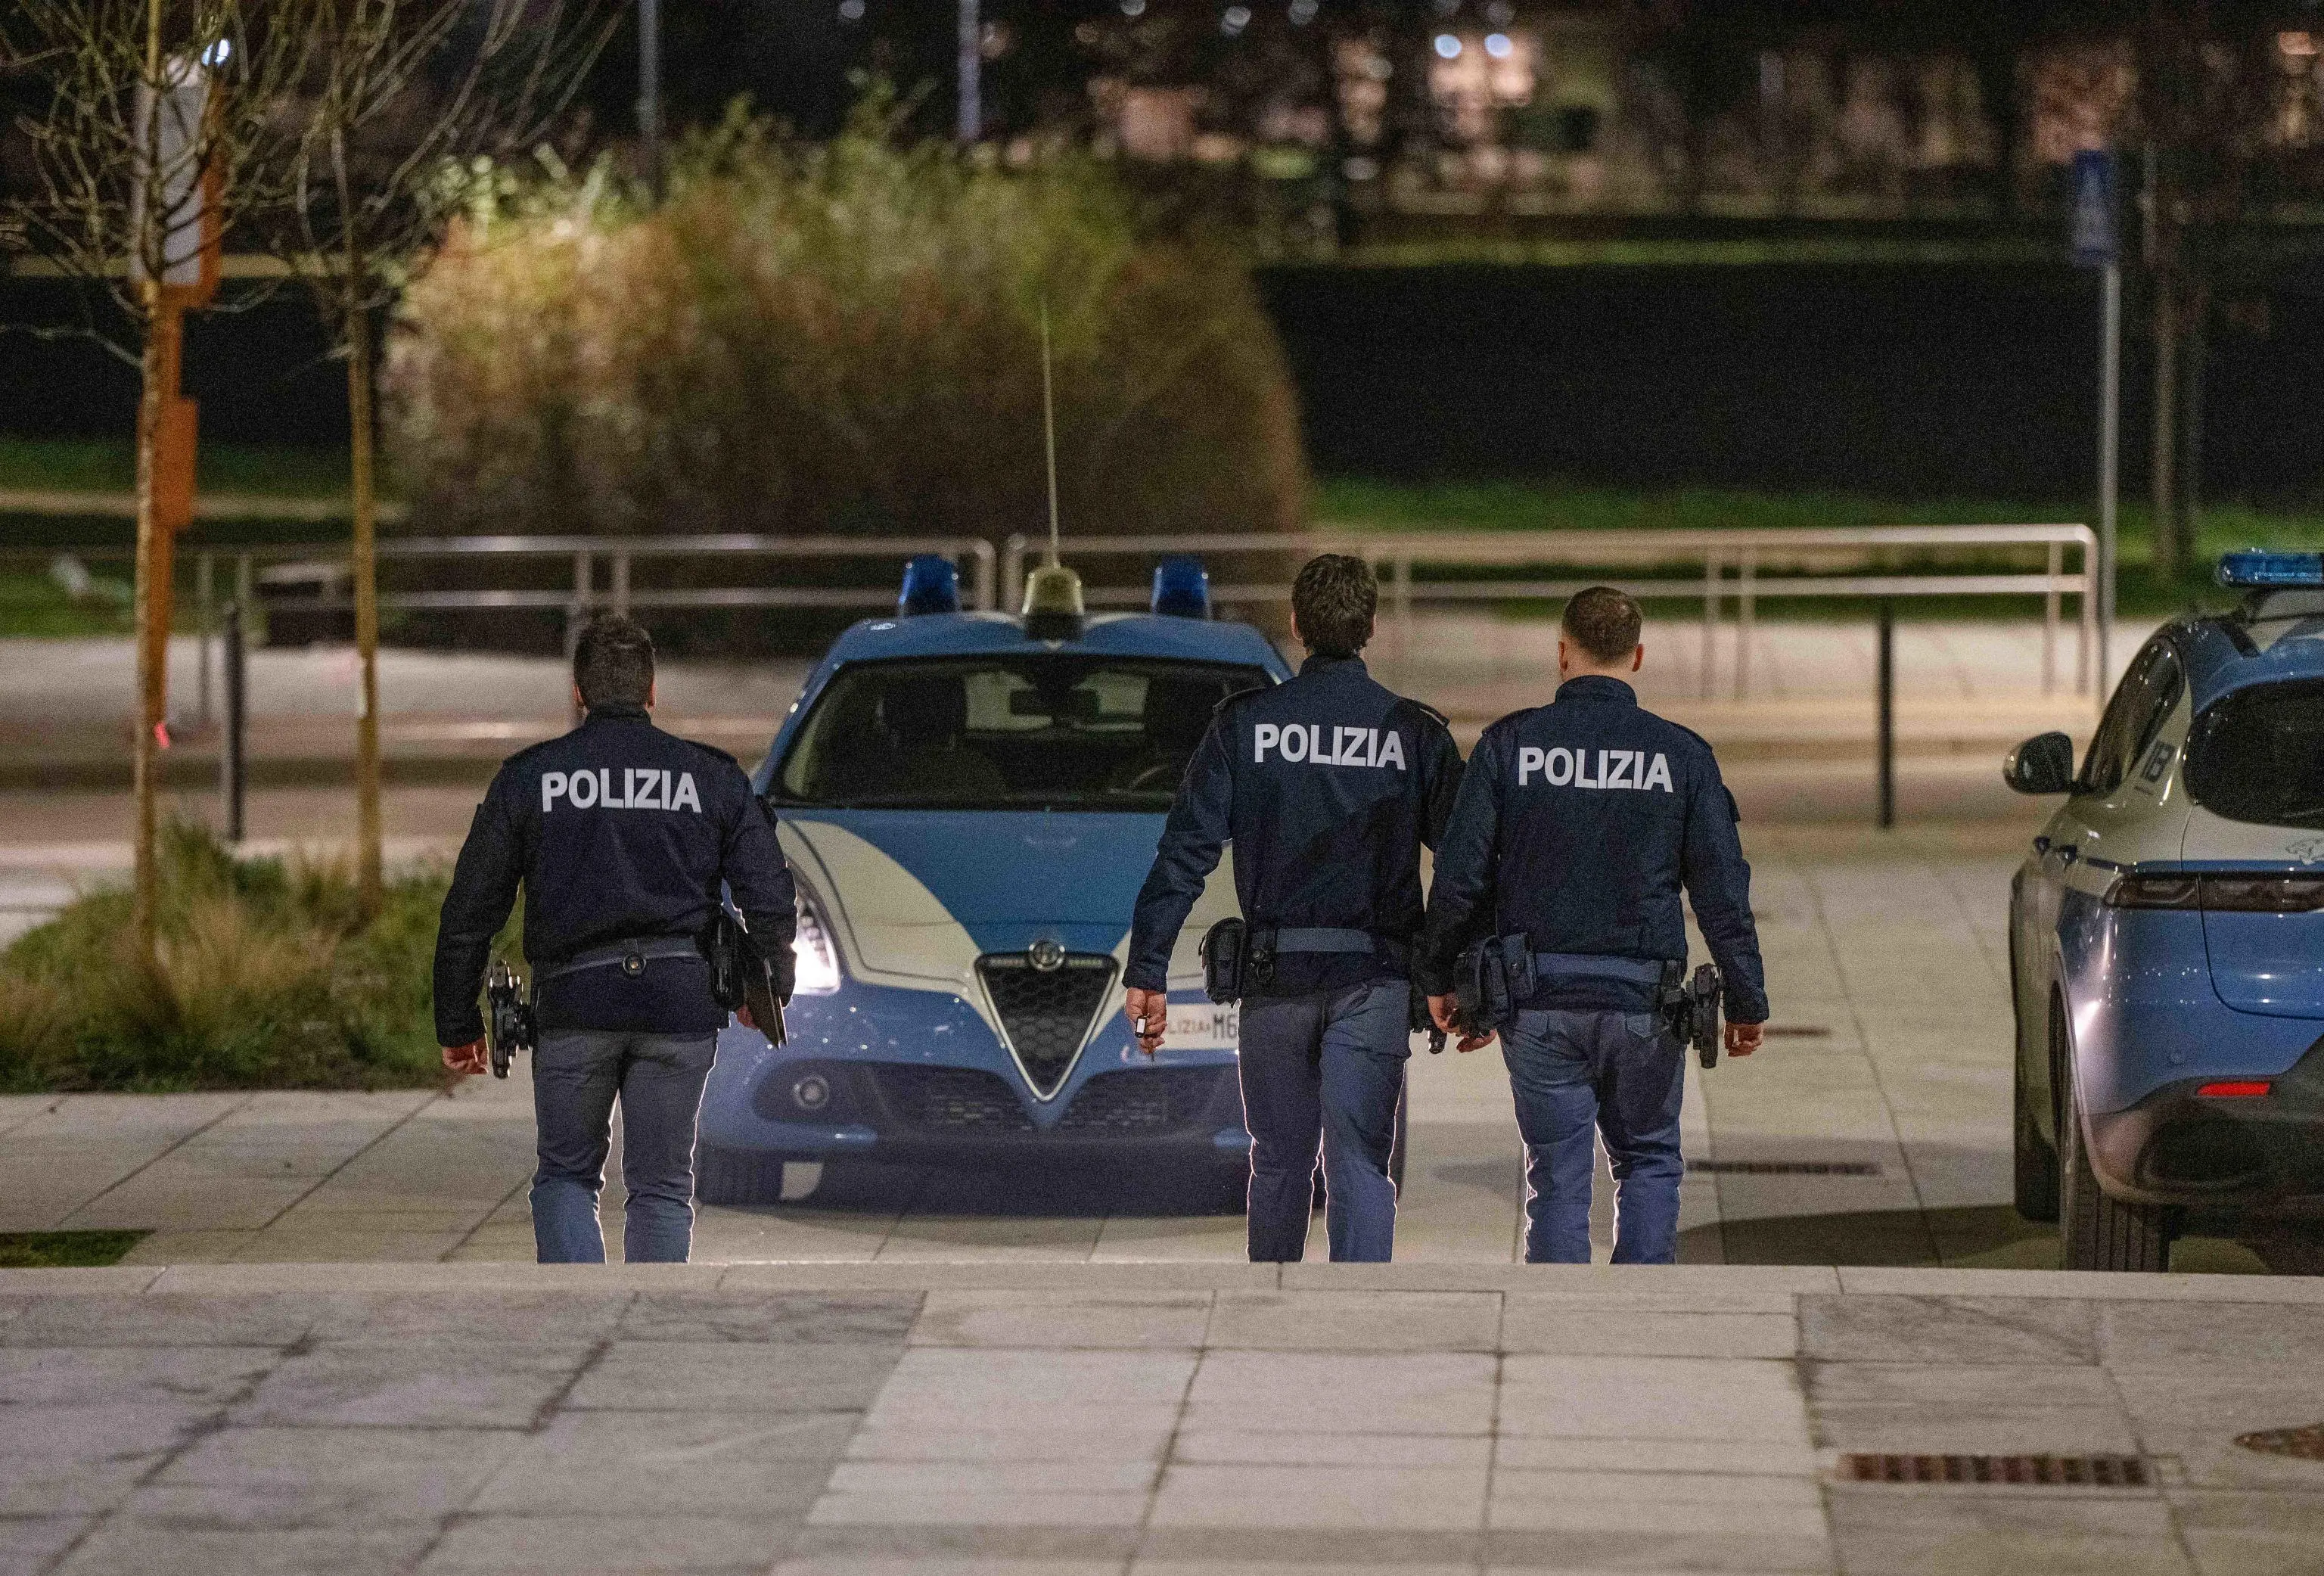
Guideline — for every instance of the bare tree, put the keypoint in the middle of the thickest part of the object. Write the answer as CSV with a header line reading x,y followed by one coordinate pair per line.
x,y
154,124
405,94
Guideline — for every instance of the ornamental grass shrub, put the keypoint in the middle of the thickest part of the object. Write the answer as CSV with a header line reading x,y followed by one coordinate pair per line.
x,y
836,338
266,976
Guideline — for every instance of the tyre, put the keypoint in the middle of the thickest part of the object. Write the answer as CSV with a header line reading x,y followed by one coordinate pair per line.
x,y
2099,1232
2036,1157
738,1178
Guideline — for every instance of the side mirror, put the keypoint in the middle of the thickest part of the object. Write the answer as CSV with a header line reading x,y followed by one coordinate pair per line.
x,y
2043,764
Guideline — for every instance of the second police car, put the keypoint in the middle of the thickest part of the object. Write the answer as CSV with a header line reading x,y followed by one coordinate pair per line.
x,y
969,801
2167,937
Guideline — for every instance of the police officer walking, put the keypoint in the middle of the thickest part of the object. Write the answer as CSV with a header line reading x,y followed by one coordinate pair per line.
x,y
1577,825
1327,785
620,834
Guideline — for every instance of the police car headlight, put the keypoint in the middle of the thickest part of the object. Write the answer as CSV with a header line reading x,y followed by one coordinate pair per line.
x,y
816,958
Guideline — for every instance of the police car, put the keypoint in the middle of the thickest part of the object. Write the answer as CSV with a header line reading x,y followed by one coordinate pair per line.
x,y
2167,937
969,801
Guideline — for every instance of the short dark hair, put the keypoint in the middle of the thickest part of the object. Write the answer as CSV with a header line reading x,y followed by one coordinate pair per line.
x,y
613,661
1603,622
1332,602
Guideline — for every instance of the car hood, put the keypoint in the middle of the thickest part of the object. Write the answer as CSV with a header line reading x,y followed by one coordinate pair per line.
x,y
990,872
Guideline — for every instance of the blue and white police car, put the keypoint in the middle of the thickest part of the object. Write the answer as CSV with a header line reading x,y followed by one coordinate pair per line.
x,y
2167,937
970,802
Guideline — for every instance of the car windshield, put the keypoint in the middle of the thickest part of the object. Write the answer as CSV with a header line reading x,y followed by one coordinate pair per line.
x,y
2257,754
1038,730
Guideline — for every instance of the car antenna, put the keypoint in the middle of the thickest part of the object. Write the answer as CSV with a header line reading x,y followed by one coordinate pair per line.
x,y
1049,428
1053,592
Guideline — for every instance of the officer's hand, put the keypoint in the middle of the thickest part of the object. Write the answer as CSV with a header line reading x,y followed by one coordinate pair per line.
x,y
743,1015
465,1059
1441,1010
1148,1010
1743,1038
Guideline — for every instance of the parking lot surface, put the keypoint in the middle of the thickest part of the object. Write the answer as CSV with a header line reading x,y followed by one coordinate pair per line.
x,y
1051,1419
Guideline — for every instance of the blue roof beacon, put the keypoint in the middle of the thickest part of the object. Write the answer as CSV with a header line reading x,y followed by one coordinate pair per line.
x,y
2255,569
1181,589
931,585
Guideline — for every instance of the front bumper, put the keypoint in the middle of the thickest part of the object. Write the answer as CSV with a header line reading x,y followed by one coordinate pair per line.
x,y
2255,1155
814,1108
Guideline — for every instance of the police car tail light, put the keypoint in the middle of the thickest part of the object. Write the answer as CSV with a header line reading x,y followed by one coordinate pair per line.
x,y
2236,1089
1181,589
815,960
2257,893
931,585
2261,570
2156,892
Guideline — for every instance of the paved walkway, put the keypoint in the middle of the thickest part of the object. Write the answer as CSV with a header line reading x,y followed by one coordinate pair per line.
x,y
1222,1420
1873,1130
66,702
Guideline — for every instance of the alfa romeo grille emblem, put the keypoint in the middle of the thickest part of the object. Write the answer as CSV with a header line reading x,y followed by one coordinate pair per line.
x,y
1047,955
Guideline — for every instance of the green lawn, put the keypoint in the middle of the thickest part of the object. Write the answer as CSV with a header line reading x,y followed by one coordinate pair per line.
x,y
81,465
65,1250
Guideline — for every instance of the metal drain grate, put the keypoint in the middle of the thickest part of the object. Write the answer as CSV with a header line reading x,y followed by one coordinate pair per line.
x,y
1783,1167
2307,1443
2039,1471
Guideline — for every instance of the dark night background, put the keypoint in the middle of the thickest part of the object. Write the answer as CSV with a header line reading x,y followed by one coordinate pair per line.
x,y
1886,379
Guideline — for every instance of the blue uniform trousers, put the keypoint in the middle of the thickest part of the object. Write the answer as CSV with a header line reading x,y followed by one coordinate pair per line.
x,y
577,1074
1622,1074
1328,1067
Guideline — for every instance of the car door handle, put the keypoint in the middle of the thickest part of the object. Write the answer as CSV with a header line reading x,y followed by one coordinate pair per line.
x,y
2065,853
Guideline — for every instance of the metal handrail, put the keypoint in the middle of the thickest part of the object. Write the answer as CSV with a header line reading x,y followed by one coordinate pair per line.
x,y
1750,551
585,596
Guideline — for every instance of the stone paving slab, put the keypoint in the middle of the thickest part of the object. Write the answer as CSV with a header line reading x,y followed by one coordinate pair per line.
x,y
297,1421
1886,962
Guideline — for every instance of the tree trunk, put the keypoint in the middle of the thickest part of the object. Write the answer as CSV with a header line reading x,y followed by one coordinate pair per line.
x,y
2194,327
152,649
370,880
2164,462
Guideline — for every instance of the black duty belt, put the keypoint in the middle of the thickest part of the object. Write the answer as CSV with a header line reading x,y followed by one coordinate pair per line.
x,y
1550,967
1319,938
629,956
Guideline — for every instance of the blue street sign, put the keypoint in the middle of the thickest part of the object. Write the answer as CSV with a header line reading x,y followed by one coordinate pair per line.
x,y
2094,238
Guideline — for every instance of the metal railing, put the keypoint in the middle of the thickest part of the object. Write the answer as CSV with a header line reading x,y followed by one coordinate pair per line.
x,y
1747,567
584,596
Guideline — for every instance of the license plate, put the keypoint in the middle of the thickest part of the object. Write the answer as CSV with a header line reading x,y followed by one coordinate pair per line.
x,y
1203,1026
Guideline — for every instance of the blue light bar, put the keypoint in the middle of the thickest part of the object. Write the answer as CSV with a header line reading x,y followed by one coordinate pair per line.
x,y
1181,589
2256,569
931,585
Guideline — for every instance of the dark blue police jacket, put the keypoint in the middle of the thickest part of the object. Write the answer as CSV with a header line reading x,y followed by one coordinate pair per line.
x,y
619,832
1577,824
1327,785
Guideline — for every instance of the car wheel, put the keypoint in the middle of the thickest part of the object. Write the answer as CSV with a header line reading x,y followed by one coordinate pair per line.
x,y
738,1178
2037,1158
2099,1232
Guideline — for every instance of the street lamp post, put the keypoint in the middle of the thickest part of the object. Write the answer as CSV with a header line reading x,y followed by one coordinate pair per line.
x,y
970,121
650,91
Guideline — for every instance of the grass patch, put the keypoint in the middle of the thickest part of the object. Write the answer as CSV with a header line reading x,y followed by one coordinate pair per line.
x,y
65,1250
69,464
267,977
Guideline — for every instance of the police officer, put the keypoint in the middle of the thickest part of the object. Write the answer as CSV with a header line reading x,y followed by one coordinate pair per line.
x,y
1577,824
1327,785
620,834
